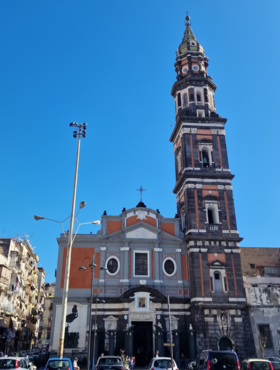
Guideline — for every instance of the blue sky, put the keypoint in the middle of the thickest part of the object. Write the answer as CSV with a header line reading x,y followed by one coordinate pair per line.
x,y
111,64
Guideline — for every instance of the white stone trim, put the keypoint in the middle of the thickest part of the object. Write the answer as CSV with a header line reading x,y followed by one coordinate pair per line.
x,y
101,280
199,186
103,248
124,281
220,187
179,250
124,249
200,299
175,266
158,281
228,187
106,265
232,250
180,282
209,319
237,299
158,249
238,319
197,250
141,251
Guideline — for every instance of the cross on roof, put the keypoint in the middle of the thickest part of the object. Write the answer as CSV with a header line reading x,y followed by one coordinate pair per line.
x,y
141,191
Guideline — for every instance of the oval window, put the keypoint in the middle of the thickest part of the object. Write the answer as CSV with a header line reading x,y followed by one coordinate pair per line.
x,y
185,70
112,265
195,68
169,267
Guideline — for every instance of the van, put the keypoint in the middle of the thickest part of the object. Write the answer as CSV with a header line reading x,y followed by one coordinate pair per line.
x,y
217,360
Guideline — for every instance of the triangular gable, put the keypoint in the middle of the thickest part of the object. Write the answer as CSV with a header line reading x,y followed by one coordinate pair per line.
x,y
217,263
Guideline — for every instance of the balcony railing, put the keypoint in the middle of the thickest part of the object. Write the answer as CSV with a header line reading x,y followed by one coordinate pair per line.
x,y
214,228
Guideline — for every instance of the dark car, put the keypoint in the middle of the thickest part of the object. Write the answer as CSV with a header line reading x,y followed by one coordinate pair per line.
x,y
109,363
217,360
59,364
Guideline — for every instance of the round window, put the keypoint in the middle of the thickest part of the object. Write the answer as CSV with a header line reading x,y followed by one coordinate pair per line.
x,y
185,69
169,267
112,265
195,68
193,43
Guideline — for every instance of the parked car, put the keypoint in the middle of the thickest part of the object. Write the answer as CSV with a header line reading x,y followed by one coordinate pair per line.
x,y
59,364
275,362
109,362
217,360
256,364
9,363
159,363
1,354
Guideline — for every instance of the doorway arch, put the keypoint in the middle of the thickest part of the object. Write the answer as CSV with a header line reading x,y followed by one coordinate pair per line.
x,y
225,344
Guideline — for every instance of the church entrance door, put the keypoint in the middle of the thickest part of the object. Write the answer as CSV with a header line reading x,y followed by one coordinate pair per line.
x,y
142,342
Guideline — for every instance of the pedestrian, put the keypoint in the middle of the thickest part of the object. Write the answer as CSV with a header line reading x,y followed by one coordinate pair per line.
x,y
102,354
75,363
182,361
157,353
27,360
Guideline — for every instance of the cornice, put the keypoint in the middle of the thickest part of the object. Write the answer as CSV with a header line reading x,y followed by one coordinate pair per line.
x,y
180,121
192,80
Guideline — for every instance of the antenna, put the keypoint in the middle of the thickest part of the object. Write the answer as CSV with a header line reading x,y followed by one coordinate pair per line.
x,y
3,232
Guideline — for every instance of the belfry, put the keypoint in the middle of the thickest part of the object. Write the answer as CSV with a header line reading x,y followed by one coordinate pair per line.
x,y
142,257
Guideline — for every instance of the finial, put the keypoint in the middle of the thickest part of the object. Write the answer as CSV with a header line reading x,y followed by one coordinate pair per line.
x,y
188,18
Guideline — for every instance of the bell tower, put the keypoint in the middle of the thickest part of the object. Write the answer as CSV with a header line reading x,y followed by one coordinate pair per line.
x,y
205,206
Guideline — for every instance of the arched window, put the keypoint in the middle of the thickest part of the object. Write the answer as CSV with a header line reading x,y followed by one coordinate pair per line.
x,y
205,158
212,213
218,282
210,216
185,100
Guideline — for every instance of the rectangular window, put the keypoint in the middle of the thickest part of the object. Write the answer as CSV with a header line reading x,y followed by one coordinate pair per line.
x,y
252,266
179,100
272,271
265,331
141,264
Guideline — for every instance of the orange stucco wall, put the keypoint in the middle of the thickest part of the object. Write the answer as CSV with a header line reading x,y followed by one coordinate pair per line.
x,y
168,228
78,279
113,226
134,220
220,257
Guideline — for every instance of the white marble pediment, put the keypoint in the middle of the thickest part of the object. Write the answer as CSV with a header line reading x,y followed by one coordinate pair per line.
x,y
141,233
110,323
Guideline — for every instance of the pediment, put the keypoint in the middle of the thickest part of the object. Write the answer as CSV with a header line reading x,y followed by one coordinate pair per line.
x,y
217,263
141,233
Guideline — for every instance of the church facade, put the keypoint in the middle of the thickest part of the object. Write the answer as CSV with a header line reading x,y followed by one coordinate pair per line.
x,y
142,257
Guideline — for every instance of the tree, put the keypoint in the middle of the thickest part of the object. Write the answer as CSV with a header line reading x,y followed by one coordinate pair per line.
x,y
262,340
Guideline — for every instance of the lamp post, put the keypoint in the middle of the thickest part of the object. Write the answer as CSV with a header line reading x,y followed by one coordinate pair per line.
x,y
82,268
80,131
170,335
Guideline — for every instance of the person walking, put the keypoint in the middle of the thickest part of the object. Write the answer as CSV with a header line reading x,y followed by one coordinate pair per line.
x,y
182,361
157,353
75,364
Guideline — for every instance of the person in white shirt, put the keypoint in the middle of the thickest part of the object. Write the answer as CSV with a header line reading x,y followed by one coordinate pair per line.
x,y
75,363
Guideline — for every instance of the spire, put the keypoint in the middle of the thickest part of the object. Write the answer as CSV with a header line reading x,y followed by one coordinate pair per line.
x,y
190,43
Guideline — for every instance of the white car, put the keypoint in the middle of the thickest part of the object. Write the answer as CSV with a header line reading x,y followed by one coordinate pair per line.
x,y
11,363
159,363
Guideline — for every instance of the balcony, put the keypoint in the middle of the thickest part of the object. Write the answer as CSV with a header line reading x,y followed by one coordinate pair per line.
x,y
215,229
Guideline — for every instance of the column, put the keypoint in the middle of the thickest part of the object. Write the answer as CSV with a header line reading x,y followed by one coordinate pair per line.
x,y
191,344
176,348
111,342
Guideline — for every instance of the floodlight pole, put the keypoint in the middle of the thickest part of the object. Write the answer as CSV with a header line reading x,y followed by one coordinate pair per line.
x,y
69,247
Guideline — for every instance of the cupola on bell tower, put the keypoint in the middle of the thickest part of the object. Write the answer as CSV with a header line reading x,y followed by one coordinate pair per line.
x,y
205,204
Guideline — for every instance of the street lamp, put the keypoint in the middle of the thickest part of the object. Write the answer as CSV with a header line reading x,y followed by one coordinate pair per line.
x,y
92,265
80,131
